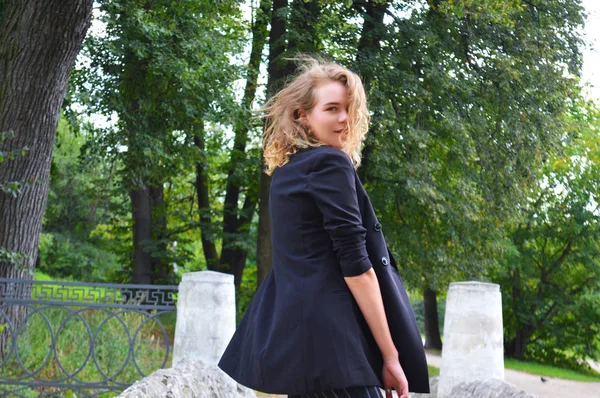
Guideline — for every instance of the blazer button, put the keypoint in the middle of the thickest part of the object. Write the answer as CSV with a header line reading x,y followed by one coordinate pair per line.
x,y
384,261
377,226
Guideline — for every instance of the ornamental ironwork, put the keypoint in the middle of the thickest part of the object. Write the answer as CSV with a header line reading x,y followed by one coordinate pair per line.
x,y
65,339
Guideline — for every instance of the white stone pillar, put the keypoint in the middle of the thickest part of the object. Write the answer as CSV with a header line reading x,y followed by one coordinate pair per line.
x,y
473,346
205,316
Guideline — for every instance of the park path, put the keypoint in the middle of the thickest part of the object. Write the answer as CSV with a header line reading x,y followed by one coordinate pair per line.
x,y
553,388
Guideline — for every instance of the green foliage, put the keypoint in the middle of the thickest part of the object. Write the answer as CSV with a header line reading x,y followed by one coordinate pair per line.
x,y
418,307
551,277
66,257
461,127
11,257
13,188
171,67
246,291
433,371
165,73
12,155
79,202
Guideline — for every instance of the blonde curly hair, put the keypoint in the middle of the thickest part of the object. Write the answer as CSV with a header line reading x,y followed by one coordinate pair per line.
x,y
285,133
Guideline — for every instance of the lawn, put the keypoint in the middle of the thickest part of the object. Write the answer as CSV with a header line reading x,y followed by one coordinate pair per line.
x,y
536,369
550,371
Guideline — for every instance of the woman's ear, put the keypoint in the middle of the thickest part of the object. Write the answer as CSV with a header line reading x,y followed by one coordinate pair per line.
x,y
301,115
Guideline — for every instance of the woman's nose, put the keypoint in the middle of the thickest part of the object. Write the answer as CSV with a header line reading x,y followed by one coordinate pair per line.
x,y
343,116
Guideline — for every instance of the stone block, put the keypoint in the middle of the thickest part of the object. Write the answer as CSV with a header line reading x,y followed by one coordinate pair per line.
x,y
205,316
473,337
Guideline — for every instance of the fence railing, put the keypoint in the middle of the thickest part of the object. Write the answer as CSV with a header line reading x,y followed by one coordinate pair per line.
x,y
79,339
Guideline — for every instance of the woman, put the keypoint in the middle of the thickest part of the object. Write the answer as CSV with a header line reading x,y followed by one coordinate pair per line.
x,y
318,324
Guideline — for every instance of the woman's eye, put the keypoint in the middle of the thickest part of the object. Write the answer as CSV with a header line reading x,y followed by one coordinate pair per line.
x,y
333,108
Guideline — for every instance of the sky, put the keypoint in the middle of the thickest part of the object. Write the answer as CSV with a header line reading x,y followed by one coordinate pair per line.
x,y
591,54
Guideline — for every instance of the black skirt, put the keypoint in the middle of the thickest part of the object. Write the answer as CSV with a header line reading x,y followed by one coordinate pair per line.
x,y
349,392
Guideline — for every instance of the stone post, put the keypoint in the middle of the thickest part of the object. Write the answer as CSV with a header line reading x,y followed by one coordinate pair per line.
x,y
473,346
205,316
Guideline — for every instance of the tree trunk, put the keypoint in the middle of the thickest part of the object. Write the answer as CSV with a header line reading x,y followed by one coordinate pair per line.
x,y
432,326
517,346
276,71
141,211
235,226
206,233
302,32
368,49
39,40
162,273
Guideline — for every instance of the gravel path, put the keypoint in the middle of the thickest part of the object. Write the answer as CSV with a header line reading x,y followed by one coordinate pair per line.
x,y
553,388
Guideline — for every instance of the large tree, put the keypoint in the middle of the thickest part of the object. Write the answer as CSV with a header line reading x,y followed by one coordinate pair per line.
x,y
171,67
464,128
242,172
294,31
39,41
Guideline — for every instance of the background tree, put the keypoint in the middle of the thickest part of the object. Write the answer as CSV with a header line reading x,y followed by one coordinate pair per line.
x,y
81,201
293,33
466,128
172,69
243,169
551,278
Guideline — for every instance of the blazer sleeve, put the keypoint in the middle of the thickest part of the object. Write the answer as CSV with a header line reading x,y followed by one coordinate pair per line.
x,y
332,185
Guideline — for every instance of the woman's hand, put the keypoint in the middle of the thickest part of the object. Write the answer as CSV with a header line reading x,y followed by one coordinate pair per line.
x,y
394,377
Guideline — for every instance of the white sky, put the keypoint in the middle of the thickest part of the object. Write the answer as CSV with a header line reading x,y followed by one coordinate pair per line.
x,y
591,54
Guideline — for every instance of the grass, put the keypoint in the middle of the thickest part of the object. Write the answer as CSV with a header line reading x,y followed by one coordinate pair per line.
x,y
549,371
40,276
433,371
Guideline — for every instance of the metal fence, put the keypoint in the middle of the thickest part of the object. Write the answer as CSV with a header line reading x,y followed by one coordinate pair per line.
x,y
80,339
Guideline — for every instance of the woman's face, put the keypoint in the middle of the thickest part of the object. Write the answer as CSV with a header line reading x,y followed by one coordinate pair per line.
x,y
328,119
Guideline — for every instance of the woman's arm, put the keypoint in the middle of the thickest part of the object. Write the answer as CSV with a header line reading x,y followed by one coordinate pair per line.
x,y
365,289
332,184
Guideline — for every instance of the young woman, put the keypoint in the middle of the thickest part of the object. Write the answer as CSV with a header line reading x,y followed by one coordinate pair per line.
x,y
318,325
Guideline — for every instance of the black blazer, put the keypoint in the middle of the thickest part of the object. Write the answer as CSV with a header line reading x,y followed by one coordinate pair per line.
x,y
303,332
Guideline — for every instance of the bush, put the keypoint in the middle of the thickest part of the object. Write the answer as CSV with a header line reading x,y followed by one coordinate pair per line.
x,y
416,303
66,257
